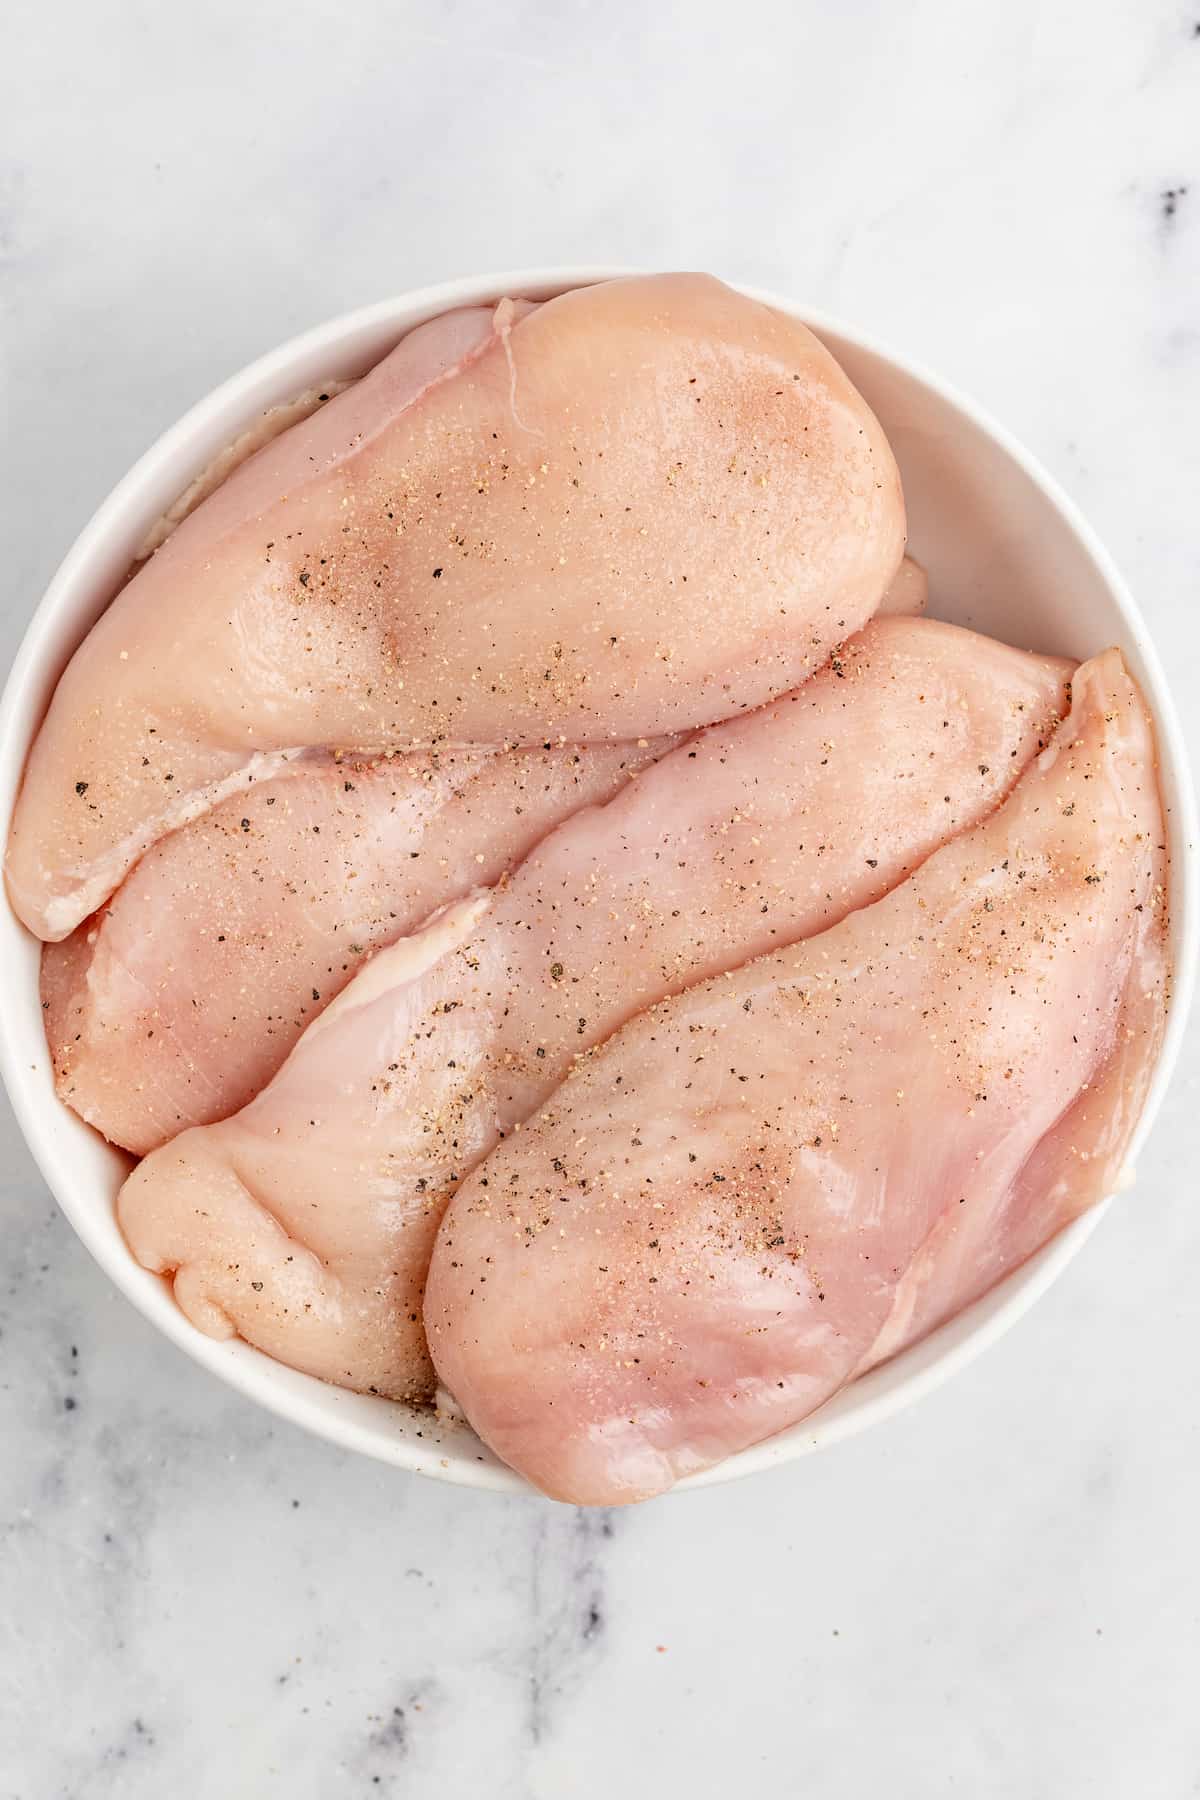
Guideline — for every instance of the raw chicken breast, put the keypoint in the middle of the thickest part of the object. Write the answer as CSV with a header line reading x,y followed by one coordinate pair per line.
x,y
276,894
908,591
305,1223
264,430
767,1182
179,1000
635,509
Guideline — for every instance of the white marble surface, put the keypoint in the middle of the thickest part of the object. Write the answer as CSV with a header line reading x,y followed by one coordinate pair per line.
x,y
993,1595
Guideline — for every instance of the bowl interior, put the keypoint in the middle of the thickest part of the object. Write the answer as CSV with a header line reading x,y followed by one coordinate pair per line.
x,y
1006,554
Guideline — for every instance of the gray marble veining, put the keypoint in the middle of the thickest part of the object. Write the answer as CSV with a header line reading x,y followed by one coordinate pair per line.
x,y
995,1595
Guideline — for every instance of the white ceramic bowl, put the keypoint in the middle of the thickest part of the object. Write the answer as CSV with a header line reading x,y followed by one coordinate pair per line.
x,y
1007,553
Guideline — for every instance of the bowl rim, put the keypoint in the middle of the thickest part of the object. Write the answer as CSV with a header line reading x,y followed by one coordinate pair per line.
x,y
332,1416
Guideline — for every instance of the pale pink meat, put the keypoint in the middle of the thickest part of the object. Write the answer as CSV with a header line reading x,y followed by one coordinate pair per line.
x,y
305,1222
635,509
173,1005
277,894
764,1184
908,590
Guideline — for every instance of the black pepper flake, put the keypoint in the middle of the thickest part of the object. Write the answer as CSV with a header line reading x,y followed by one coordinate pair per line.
x,y
437,574
81,787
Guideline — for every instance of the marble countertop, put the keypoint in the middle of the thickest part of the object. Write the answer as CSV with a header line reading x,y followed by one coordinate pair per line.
x,y
995,1594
